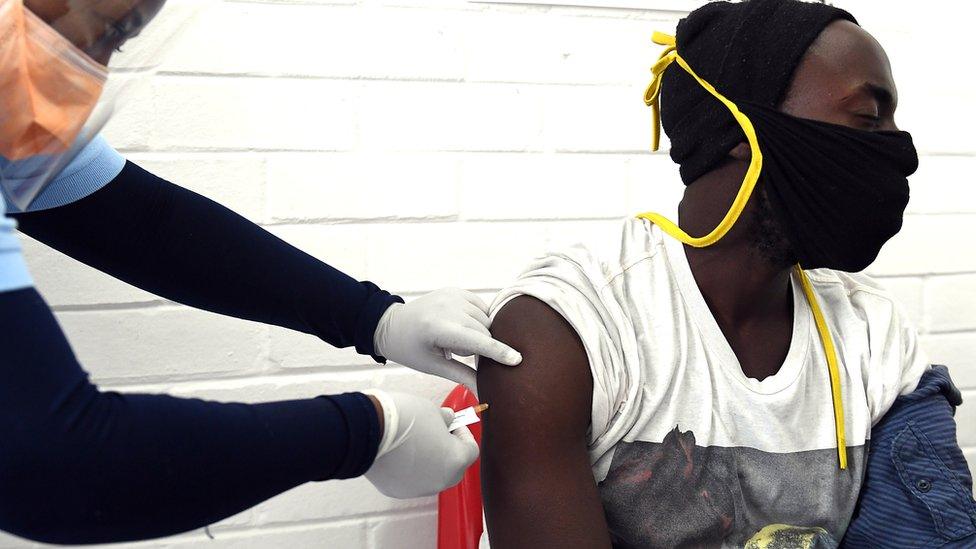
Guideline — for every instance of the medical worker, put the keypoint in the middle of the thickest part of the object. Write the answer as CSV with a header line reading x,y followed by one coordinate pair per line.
x,y
82,465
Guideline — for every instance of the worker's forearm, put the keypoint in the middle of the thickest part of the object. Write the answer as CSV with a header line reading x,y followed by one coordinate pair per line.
x,y
78,465
179,245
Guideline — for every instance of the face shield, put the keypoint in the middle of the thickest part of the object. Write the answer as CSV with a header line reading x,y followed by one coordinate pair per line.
x,y
66,66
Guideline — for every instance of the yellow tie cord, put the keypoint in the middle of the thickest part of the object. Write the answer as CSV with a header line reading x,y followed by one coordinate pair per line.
x,y
652,97
831,352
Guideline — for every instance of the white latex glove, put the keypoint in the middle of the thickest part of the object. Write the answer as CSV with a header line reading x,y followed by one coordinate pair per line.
x,y
417,455
425,332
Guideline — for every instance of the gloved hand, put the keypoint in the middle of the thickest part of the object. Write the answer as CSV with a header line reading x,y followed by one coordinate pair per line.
x,y
425,332
417,455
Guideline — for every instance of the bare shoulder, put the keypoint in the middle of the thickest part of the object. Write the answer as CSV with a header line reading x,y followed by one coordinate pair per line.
x,y
554,375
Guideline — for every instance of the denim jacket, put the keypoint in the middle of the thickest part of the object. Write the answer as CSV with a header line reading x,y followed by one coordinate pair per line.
x,y
917,491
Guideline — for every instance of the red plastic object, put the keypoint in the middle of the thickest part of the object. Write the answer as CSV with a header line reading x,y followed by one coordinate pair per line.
x,y
459,524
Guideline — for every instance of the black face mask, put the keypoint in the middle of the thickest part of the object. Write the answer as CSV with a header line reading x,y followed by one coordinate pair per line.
x,y
839,193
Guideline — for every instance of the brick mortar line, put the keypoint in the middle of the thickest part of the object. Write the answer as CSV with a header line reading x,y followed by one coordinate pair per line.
x,y
923,300
596,11
149,304
438,222
432,220
169,74
953,331
460,80
919,274
387,220
941,213
925,277
496,7
217,381
265,351
969,154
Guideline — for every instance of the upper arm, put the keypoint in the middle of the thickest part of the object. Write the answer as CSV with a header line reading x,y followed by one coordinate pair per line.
x,y
538,486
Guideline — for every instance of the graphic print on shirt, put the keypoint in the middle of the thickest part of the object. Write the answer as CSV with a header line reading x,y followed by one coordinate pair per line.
x,y
678,494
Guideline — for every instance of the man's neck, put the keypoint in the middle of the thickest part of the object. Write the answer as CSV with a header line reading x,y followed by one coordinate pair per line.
x,y
740,285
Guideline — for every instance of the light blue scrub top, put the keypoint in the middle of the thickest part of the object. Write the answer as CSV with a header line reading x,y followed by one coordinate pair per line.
x,y
94,167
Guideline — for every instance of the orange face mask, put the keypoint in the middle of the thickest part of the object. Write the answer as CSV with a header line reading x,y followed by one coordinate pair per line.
x,y
48,87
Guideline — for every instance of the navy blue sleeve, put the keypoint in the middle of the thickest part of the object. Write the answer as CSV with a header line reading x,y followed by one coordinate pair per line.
x,y
81,465
179,245
918,491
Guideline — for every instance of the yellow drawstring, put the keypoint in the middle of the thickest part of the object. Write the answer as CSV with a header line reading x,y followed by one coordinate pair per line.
x,y
831,352
652,98
653,91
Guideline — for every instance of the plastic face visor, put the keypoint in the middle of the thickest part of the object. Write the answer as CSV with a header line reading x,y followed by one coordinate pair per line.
x,y
66,67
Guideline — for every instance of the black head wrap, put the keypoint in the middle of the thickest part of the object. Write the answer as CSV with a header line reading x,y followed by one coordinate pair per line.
x,y
748,52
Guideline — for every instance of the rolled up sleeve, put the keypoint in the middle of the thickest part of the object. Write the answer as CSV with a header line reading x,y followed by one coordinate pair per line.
x,y
95,166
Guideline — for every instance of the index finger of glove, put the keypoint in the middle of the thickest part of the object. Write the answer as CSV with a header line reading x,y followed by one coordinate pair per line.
x,y
467,342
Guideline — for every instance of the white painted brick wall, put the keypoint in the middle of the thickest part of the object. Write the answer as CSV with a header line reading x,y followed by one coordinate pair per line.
x,y
423,143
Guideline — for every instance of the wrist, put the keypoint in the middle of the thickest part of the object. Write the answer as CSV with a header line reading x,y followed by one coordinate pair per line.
x,y
379,413
386,411
381,335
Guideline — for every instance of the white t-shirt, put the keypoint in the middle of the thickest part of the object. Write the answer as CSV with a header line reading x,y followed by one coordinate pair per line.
x,y
685,448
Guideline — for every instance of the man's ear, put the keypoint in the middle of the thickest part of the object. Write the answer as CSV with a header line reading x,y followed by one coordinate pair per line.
x,y
741,152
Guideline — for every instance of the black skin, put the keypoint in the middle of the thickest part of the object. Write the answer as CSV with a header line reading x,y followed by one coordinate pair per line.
x,y
537,482
97,27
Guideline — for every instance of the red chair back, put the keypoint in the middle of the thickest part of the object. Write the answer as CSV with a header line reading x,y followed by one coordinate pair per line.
x,y
459,510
